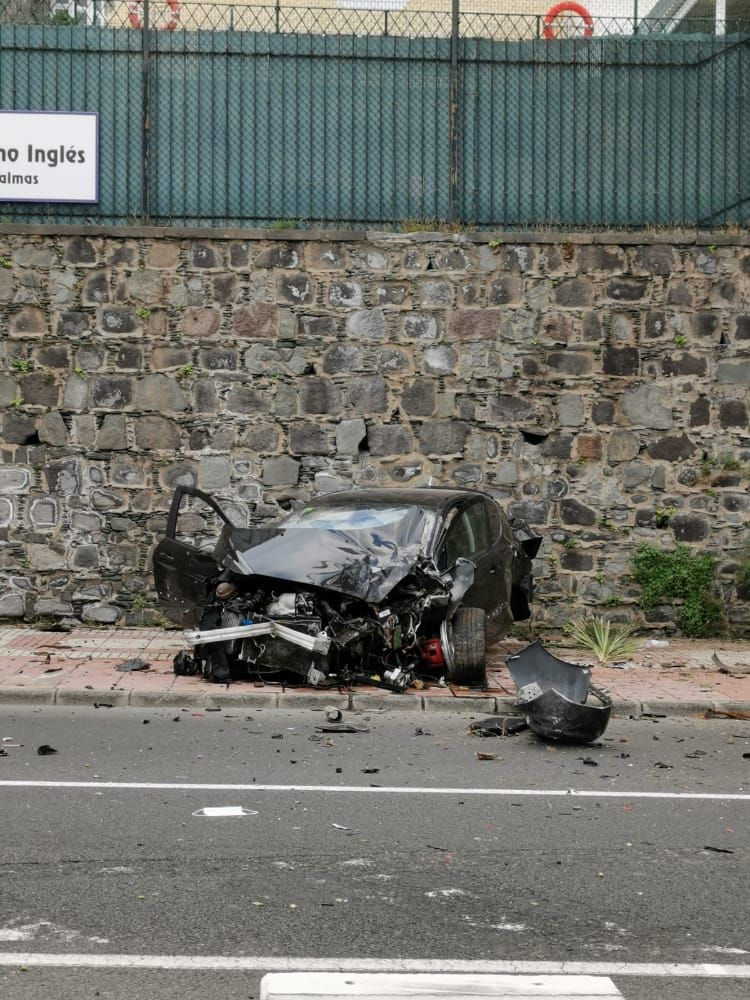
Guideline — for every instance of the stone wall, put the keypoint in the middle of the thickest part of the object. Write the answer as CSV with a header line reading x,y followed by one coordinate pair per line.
x,y
596,384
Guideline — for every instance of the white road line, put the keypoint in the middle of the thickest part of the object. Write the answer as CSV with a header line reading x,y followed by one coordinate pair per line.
x,y
167,786
273,963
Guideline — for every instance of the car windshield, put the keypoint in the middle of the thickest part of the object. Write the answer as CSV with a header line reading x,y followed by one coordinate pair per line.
x,y
399,525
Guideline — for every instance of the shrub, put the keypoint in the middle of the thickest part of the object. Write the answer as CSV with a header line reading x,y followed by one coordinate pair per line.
x,y
679,575
607,641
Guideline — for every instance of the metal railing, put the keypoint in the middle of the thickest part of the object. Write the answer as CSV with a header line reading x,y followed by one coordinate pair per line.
x,y
378,112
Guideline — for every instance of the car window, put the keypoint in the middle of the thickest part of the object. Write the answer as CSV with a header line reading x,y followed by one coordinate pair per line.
x,y
467,535
493,521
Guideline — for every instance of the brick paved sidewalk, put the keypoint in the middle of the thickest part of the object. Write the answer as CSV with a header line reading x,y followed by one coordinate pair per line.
x,y
80,667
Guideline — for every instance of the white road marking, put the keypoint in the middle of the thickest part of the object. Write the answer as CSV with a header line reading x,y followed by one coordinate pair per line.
x,y
405,986
168,786
274,963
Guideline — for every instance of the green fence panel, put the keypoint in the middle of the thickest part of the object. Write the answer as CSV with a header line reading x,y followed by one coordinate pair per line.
x,y
80,69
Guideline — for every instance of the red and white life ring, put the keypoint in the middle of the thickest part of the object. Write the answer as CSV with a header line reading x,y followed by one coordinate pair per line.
x,y
568,7
172,24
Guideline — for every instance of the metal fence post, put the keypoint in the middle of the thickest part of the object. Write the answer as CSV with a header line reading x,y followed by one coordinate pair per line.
x,y
146,114
453,208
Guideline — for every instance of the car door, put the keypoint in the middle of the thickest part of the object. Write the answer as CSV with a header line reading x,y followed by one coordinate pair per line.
x,y
467,536
184,574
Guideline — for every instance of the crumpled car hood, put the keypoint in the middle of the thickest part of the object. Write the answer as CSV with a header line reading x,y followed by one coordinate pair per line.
x,y
368,567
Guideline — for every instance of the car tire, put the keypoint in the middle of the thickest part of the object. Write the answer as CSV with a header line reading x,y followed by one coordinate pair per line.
x,y
468,641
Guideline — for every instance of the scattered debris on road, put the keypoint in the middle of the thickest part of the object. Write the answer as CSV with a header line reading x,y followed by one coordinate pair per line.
x,y
45,750
498,725
131,665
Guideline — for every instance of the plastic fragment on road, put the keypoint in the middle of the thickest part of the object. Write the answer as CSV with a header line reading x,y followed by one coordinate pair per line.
x,y
343,727
498,725
554,696
224,812
132,665
45,750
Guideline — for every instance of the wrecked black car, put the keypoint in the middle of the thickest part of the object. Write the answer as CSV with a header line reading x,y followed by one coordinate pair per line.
x,y
373,585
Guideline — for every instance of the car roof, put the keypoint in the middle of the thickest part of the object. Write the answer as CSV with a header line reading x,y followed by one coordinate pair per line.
x,y
428,497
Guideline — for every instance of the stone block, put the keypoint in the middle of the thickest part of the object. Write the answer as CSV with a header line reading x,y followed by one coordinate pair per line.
x,y
440,360
278,256
476,324
12,605
574,512
19,428
675,448
202,322
686,364
112,392
733,413
256,320
645,406
54,356
434,294
215,473
576,562
160,393
43,512
39,389
280,471
317,326
43,557
84,557
690,527
505,408
705,324
128,356
328,257
156,434
569,362
103,614
655,259
118,320
367,324
203,255
163,254
589,446
733,372
392,294
443,437
309,439
573,292
96,288
127,473
7,512
349,436
506,290
603,411
570,409
164,358
295,288
388,439
418,398
112,435
393,359
623,446
8,390
369,394
52,430
79,250
28,322
319,395
346,295
244,399
620,360
342,358
600,258
627,289
416,326
180,474
259,438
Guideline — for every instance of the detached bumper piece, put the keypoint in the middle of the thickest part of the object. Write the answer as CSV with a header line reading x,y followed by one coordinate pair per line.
x,y
557,698
312,643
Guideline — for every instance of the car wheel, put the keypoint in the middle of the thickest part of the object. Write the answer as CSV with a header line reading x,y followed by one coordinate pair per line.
x,y
464,642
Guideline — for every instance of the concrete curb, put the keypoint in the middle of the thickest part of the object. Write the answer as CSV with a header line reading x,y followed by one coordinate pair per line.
x,y
367,702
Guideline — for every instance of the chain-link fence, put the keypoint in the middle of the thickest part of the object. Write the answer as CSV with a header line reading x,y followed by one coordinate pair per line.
x,y
386,112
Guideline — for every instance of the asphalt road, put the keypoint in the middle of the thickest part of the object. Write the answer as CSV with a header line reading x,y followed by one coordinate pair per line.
x,y
391,848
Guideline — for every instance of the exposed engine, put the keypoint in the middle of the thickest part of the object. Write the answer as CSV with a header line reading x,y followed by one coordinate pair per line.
x,y
379,644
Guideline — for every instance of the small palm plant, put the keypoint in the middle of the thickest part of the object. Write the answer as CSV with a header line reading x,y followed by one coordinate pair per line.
x,y
607,641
